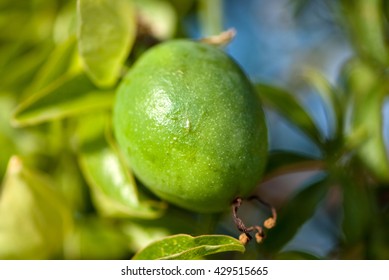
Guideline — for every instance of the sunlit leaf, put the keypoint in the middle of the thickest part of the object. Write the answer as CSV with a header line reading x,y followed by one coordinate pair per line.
x,y
106,32
61,61
96,239
68,96
33,215
182,246
113,187
366,27
288,106
69,180
174,221
295,213
368,89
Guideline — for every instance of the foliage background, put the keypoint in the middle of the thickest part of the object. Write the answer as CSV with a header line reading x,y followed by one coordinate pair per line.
x,y
320,68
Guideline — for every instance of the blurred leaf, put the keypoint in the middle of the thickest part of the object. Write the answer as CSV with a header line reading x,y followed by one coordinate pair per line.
x,y
141,232
106,33
7,141
333,98
288,106
68,96
60,62
290,160
65,25
357,214
295,213
158,16
33,216
182,246
113,187
70,182
18,72
96,239
295,255
368,88
365,21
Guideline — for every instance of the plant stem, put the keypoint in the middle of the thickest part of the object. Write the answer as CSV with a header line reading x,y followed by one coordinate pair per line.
x,y
211,17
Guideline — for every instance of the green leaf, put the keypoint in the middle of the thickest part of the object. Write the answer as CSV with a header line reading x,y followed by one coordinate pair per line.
x,y
357,213
186,247
295,213
113,187
34,218
141,233
287,160
295,255
365,21
21,70
96,239
62,60
106,33
287,105
68,96
368,87
333,98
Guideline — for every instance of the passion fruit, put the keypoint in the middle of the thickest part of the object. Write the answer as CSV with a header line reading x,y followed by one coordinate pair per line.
x,y
191,126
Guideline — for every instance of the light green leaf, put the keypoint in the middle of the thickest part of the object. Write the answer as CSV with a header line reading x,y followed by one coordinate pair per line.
x,y
366,25
96,239
367,87
141,233
113,187
20,71
33,215
63,60
287,105
106,33
68,96
186,247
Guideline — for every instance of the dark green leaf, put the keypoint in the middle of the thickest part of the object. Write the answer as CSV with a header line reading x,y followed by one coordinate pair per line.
x,y
287,105
106,32
69,96
186,247
113,187
295,255
357,214
295,213
333,98
281,160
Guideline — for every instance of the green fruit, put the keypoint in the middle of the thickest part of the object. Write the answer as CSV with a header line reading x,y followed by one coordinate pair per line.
x,y
191,126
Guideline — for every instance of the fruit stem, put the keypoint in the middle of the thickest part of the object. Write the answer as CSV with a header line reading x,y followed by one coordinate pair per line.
x,y
269,223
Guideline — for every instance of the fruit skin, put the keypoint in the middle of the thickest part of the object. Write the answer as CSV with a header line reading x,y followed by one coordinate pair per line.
x,y
191,126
